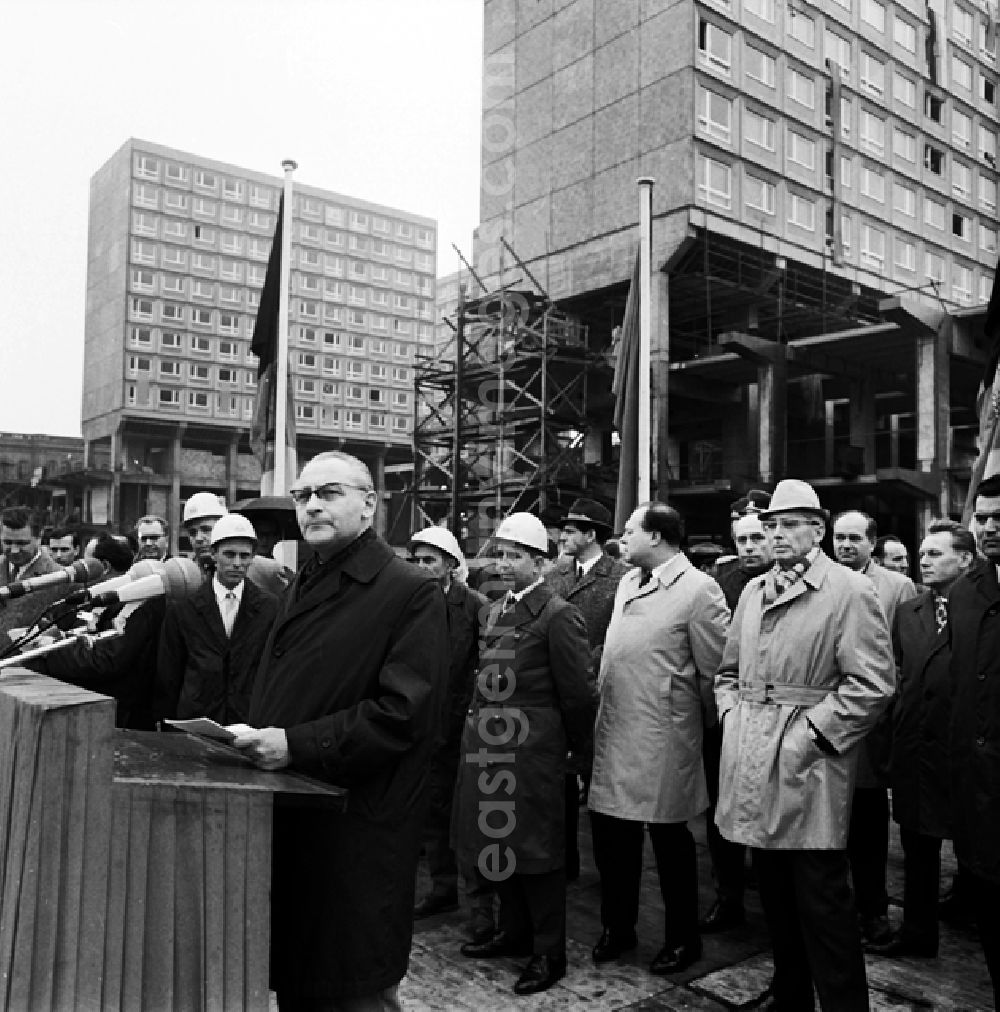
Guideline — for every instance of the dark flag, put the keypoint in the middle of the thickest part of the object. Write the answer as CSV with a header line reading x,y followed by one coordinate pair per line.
x,y
264,345
988,401
625,388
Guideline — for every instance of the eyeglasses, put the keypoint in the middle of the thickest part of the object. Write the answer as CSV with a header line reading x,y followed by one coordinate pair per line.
x,y
785,524
984,518
327,493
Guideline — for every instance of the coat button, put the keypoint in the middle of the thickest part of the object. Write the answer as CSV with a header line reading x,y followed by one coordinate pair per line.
x,y
980,741
278,651
981,676
324,743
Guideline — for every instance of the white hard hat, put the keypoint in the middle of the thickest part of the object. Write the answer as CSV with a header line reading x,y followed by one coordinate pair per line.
x,y
204,504
524,529
232,525
442,539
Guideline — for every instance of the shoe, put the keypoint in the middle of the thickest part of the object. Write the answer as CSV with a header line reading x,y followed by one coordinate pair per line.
x,y
876,930
611,946
674,960
480,928
721,917
900,947
431,905
540,974
496,947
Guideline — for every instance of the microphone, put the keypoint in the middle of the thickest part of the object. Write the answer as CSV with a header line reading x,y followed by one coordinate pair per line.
x,y
180,578
82,571
147,567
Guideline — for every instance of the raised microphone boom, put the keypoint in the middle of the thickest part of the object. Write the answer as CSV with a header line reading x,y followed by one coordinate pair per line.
x,y
82,571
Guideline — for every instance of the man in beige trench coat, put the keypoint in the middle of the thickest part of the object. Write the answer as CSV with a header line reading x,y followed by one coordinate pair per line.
x,y
807,669
661,653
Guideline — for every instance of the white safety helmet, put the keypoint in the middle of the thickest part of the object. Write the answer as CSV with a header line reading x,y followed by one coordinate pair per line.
x,y
524,529
232,525
442,539
204,504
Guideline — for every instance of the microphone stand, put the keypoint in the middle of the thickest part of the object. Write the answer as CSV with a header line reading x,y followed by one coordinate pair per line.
x,y
11,662
39,627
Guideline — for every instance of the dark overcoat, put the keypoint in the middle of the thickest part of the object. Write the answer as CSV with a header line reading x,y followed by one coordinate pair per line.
x,y
974,738
201,672
532,697
354,669
920,715
467,610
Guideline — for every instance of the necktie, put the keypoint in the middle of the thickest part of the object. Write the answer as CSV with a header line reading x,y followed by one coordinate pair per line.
x,y
941,611
508,603
579,570
229,608
647,575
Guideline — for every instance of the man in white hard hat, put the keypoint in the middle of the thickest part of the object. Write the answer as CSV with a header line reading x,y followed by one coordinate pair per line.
x,y
532,700
437,552
807,670
350,690
201,512
211,643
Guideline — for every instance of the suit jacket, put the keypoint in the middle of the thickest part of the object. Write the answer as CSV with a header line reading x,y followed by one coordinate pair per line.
x,y
974,733
661,654
921,713
24,611
467,610
200,671
593,595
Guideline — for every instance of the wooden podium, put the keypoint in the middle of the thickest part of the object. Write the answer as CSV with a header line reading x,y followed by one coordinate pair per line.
x,y
135,870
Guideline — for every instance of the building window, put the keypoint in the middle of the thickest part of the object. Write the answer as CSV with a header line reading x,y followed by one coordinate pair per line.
x,y
961,73
932,106
205,180
837,50
759,66
353,420
906,255
305,386
143,280
147,167
172,313
173,284
801,27
714,186
760,195
401,424
307,360
400,399
174,229
961,180
145,196
202,208
988,145
872,74
198,373
401,374
873,13
174,201
801,89
198,399
171,341
961,284
308,310
232,189
904,200
376,396
201,318
987,89
169,398
933,213
987,43
356,318
229,323
331,339
872,133
334,215
231,270
331,366
376,420
961,227
988,193
260,196
763,9
142,337
904,145
905,35
308,284
715,47
310,207
359,220
961,129
801,212
872,246
987,239
934,267
137,363
305,412
873,184
403,229
379,322
355,342
933,159
904,90
307,335
170,369
802,151
961,24
229,351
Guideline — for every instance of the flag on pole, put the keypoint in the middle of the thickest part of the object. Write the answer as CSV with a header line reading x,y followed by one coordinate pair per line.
x,y
625,388
264,345
988,402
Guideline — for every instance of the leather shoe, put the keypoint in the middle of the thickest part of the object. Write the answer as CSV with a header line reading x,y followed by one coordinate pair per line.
x,y
676,959
900,947
876,930
721,917
611,946
540,974
431,905
497,947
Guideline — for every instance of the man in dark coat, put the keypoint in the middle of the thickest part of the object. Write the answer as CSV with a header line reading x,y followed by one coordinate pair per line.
x,y
349,690
532,699
918,772
211,643
23,559
588,579
974,739
438,553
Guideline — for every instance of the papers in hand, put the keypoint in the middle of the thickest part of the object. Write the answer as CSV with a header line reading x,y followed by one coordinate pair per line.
x,y
208,728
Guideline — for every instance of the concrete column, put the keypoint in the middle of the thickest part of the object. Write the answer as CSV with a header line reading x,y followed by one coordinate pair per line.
x,y
379,476
660,379
772,378
932,408
830,413
862,421
115,494
174,498
232,463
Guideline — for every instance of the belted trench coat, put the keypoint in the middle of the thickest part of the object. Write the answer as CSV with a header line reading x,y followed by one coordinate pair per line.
x,y
820,654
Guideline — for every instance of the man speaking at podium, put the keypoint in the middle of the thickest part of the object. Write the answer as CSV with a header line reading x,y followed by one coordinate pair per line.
x,y
350,690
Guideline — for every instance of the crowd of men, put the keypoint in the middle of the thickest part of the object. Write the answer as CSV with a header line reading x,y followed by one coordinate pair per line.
x,y
786,693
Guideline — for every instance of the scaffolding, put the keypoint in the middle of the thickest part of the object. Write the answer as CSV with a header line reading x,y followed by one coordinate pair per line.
x,y
502,421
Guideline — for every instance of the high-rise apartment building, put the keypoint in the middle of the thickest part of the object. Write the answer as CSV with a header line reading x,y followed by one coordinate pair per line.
x,y
177,254
824,223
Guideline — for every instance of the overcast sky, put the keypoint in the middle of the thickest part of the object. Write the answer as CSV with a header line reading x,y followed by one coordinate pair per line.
x,y
377,99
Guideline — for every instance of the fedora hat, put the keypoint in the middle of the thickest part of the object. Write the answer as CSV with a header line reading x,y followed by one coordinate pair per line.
x,y
792,494
592,514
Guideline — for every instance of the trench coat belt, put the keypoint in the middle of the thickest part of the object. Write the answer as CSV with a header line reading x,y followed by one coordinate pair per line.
x,y
783,694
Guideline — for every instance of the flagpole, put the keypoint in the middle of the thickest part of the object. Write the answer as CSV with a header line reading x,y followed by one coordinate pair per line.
x,y
281,477
645,334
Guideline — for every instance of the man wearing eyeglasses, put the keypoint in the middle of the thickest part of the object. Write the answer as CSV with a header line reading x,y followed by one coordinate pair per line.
x,y
974,739
807,669
350,690
153,536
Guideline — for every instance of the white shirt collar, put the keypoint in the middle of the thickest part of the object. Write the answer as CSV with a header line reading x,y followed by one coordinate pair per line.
x,y
588,565
20,573
521,594
221,592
